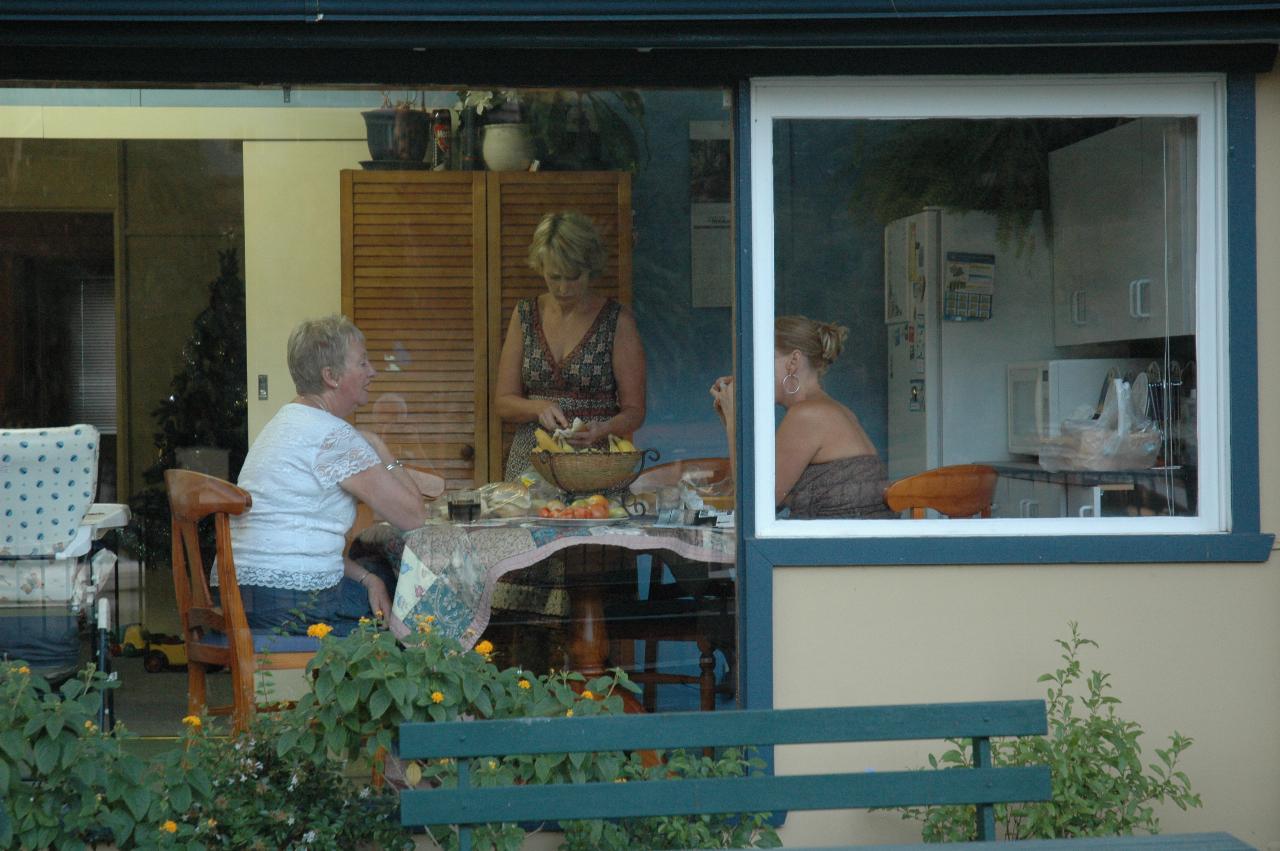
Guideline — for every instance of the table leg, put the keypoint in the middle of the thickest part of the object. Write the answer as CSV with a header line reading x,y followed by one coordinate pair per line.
x,y
589,638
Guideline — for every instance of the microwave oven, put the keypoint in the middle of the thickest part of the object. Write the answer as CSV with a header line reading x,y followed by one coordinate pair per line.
x,y
1041,394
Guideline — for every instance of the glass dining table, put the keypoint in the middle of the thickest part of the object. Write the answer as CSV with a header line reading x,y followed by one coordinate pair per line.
x,y
450,570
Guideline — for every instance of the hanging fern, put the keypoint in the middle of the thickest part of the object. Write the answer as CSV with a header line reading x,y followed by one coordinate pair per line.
x,y
1000,166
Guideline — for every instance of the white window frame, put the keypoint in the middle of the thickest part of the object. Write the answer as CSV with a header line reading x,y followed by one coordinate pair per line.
x,y
1202,96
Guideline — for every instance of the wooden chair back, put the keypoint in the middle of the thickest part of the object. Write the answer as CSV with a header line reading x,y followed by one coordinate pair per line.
x,y
215,635
961,490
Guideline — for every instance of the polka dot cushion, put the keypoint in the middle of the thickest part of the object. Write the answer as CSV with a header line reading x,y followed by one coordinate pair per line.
x,y
47,481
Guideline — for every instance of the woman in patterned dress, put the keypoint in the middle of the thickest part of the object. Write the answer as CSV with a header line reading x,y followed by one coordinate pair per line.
x,y
570,353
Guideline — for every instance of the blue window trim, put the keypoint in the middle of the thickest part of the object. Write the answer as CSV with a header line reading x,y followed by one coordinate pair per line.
x,y
1244,543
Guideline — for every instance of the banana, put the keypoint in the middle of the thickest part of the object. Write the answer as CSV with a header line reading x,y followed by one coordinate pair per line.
x,y
620,444
546,442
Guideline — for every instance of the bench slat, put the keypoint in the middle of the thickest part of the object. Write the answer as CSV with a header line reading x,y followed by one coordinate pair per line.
x,y
724,729
723,795
1169,841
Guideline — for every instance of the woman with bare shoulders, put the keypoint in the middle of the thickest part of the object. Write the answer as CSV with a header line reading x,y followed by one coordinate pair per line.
x,y
826,466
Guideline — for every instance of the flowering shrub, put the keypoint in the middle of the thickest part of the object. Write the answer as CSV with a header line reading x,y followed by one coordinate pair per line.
x,y
63,781
300,778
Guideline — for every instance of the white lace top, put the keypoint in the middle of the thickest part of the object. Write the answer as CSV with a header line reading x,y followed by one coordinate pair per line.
x,y
293,535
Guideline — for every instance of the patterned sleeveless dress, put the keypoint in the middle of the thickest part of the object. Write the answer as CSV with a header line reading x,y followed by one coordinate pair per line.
x,y
582,384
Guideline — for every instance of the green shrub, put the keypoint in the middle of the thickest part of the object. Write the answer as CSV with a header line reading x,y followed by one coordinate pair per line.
x,y
63,782
300,778
1100,786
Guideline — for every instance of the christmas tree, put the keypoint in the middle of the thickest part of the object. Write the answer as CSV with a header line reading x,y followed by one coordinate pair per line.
x,y
206,405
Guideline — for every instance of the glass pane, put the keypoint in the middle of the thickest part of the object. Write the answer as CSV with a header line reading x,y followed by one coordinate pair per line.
x,y
158,245
1018,293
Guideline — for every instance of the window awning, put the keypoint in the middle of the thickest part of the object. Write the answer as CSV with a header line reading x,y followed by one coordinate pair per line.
x,y
549,42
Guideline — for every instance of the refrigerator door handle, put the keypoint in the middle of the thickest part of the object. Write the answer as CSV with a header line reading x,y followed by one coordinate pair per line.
x,y
1137,298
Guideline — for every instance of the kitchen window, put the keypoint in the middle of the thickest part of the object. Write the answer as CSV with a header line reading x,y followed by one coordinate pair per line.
x,y
1034,274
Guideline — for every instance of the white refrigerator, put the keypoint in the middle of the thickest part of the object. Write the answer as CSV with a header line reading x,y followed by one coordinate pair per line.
x,y
960,305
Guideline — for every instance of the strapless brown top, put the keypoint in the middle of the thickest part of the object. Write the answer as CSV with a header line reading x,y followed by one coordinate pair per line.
x,y
847,487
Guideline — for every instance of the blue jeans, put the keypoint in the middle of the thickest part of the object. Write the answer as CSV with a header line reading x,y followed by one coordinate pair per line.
x,y
291,612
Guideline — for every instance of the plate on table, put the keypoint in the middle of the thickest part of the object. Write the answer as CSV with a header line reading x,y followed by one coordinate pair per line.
x,y
495,521
576,521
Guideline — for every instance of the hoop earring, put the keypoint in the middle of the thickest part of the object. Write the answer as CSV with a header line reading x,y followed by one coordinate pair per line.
x,y
790,391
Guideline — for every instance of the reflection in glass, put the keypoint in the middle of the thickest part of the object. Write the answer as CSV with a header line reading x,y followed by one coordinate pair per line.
x,y
1020,293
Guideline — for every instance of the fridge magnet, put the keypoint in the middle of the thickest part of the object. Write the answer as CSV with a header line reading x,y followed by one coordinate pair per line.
x,y
968,286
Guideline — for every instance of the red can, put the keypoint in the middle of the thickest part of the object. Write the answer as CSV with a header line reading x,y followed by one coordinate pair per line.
x,y
442,138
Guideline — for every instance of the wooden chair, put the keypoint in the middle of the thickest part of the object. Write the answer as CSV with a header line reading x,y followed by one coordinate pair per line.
x,y
962,490
689,608
220,635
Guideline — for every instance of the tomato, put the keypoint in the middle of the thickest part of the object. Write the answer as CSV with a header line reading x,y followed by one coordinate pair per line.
x,y
582,512
599,510
544,511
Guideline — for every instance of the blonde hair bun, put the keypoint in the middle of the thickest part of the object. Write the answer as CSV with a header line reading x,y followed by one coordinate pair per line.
x,y
820,342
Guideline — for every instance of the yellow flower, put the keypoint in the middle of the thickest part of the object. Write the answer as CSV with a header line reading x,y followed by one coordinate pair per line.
x,y
24,670
524,684
213,822
90,726
568,713
430,619
437,697
424,626
193,721
587,694
319,630
365,621
619,780
169,826
493,765
484,648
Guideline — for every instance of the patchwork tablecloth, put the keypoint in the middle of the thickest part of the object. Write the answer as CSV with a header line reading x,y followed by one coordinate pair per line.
x,y
450,571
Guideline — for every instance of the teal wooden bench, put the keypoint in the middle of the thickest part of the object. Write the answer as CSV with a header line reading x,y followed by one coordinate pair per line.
x,y
982,785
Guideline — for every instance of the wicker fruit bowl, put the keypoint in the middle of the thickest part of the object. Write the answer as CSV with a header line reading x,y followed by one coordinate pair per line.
x,y
587,472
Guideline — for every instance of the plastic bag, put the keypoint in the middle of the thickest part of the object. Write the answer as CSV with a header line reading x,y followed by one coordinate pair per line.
x,y
1121,437
504,499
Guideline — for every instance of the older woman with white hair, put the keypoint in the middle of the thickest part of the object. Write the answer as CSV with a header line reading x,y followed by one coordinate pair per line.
x,y
305,470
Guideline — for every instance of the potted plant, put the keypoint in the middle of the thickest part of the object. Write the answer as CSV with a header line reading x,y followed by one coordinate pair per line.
x,y
399,131
492,128
568,129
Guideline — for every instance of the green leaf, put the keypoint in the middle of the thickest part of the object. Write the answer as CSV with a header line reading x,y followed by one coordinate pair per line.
x,y
379,701
348,694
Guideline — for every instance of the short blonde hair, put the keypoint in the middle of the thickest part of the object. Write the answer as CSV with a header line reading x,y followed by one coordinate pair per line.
x,y
316,344
568,244
820,342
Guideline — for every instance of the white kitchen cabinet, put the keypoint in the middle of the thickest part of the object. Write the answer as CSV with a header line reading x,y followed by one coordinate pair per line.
x,y
1019,497
1123,226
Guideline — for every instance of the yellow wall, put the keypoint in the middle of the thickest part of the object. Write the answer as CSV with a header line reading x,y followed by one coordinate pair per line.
x,y
1194,648
293,268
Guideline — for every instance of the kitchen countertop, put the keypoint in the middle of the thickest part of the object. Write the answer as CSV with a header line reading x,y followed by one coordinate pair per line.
x,y
1083,478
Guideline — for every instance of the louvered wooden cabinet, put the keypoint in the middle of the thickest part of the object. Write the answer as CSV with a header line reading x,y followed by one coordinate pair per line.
x,y
433,263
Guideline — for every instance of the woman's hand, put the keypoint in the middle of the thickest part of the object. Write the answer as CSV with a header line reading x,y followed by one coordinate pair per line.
x,y
428,484
380,604
722,393
551,417
589,435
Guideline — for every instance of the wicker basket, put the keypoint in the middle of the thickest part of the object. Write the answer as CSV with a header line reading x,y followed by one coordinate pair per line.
x,y
587,472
